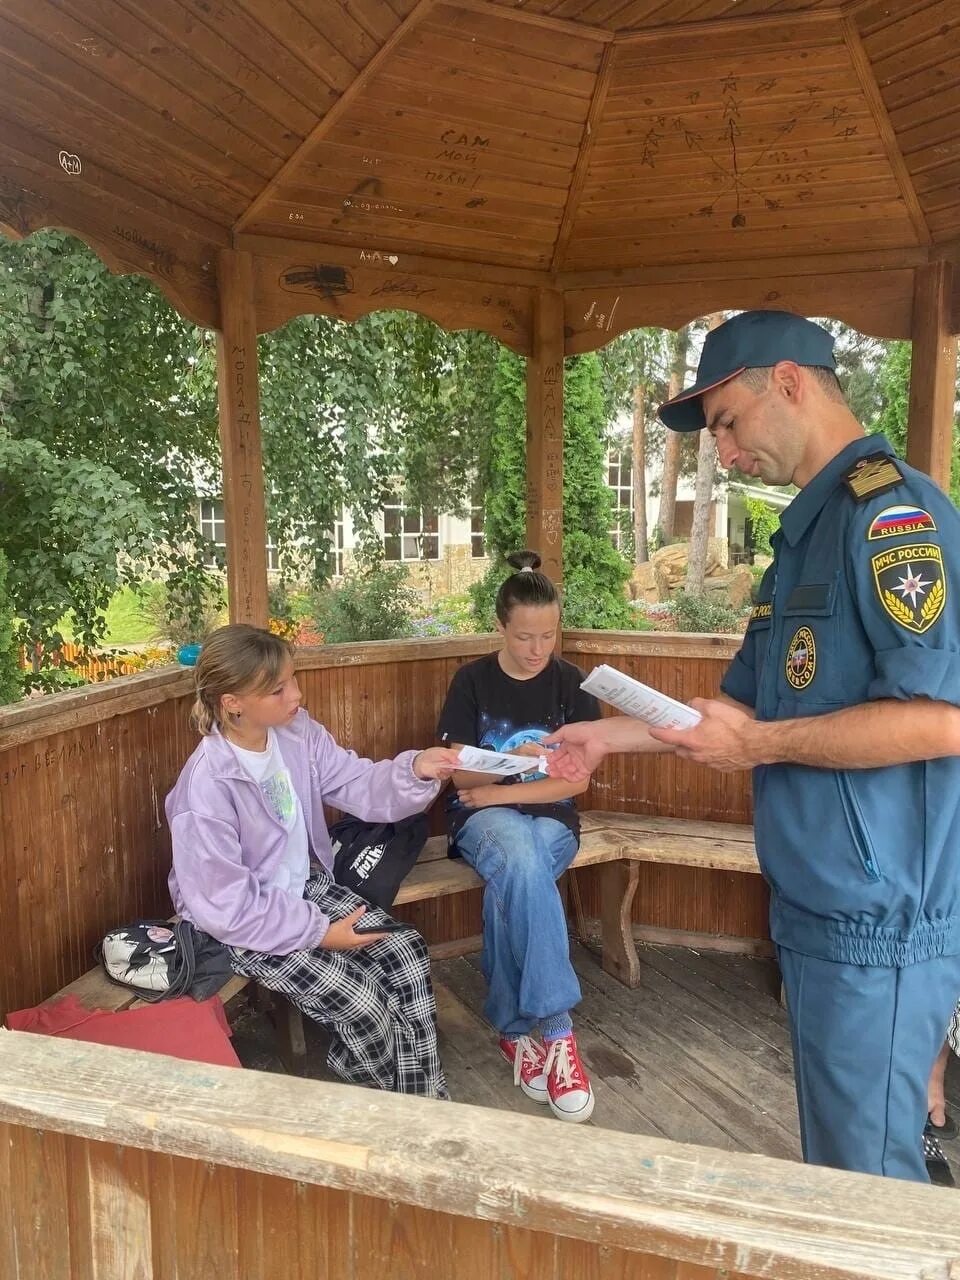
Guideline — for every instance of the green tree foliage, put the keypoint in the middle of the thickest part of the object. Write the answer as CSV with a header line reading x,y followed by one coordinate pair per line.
x,y
764,522
108,427
100,432
372,603
10,678
594,571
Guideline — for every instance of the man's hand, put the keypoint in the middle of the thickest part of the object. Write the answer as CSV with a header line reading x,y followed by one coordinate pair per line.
x,y
436,762
581,748
725,739
484,796
341,937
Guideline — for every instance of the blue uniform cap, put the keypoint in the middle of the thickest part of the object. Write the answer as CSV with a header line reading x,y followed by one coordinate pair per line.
x,y
751,340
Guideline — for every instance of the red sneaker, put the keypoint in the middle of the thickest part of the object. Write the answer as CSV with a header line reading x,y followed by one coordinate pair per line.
x,y
528,1058
568,1087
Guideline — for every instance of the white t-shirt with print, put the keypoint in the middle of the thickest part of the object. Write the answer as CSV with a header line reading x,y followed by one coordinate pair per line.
x,y
268,770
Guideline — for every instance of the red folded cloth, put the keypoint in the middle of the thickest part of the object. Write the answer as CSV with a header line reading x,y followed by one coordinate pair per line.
x,y
184,1028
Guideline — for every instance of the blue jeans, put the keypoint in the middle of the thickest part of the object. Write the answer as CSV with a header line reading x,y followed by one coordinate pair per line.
x,y
526,951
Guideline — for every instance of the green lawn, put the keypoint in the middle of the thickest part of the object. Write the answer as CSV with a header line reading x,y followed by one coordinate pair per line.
x,y
125,623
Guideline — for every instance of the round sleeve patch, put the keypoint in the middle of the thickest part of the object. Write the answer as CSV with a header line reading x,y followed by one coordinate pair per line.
x,y
801,663
911,585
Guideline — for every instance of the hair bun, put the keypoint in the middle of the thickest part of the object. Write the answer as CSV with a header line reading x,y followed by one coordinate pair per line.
x,y
524,560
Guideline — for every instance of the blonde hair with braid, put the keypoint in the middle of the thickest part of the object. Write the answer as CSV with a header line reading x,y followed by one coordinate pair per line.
x,y
235,659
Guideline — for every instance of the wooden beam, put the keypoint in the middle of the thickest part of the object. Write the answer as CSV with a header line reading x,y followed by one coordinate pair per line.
x,y
545,433
878,109
580,30
239,396
327,121
594,116
723,1213
933,373
909,256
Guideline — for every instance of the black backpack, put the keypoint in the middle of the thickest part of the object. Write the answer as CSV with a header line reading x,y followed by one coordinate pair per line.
x,y
372,858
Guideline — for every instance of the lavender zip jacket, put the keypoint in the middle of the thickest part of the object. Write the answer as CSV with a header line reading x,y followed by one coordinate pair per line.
x,y
227,841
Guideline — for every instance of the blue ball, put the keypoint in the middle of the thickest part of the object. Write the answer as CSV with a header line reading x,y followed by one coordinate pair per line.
x,y
188,654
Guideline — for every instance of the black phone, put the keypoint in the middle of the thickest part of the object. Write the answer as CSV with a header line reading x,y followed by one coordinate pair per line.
x,y
387,926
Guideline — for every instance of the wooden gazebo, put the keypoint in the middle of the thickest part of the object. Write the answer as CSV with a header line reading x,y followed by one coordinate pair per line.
x,y
553,172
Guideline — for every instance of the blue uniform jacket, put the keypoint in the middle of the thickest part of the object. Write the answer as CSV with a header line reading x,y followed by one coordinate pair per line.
x,y
861,602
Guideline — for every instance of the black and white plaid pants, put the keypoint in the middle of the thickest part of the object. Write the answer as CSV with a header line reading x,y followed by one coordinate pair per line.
x,y
376,1001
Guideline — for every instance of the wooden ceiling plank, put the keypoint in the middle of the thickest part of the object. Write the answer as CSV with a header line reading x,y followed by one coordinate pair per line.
x,y
333,115
330,216
402,156
658,203
409,182
477,86
72,128
721,269
874,15
516,217
376,18
471,113
440,245
337,24
933,21
578,181
495,29
818,34
933,155
28,147
580,30
663,249
67,87
101,38
934,114
125,238
263,56
477,58
349,255
413,127
288,25
252,93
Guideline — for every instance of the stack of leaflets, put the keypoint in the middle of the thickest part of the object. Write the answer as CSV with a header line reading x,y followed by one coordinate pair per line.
x,y
636,699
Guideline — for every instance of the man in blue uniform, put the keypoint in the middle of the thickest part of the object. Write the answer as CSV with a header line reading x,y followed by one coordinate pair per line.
x,y
845,701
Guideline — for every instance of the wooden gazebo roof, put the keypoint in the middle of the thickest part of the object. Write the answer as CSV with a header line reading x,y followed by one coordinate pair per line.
x,y
587,142
551,171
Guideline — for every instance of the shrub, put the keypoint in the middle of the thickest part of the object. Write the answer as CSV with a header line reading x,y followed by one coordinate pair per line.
x,y
372,603
698,613
179,620
448,616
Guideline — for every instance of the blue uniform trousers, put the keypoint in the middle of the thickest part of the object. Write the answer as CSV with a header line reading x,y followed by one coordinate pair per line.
x,y
864,1041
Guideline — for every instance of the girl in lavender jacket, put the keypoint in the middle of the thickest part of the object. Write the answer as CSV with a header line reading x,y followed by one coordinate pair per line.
x,y
246,814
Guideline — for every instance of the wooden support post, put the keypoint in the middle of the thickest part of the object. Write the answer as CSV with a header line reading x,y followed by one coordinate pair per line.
x,y
933,373
545,433
246,528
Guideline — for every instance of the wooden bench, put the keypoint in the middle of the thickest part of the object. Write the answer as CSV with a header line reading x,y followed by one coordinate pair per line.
x,y
617,843
94,990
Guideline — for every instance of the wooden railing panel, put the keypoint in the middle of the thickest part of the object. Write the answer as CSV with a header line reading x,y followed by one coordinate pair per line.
x,y
673,898
217,1174
83,777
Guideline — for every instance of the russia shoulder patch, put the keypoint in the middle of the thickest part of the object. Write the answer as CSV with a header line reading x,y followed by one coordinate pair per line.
x,y
893,521
873,474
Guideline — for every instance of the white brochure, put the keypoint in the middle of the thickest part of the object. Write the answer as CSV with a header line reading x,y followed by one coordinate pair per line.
x,y
499,762
636,699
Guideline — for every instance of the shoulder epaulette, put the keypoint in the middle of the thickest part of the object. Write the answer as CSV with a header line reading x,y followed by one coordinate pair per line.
x,y
876,473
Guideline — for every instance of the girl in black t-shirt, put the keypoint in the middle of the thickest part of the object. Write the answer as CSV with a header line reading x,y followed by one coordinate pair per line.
x,y
520,835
